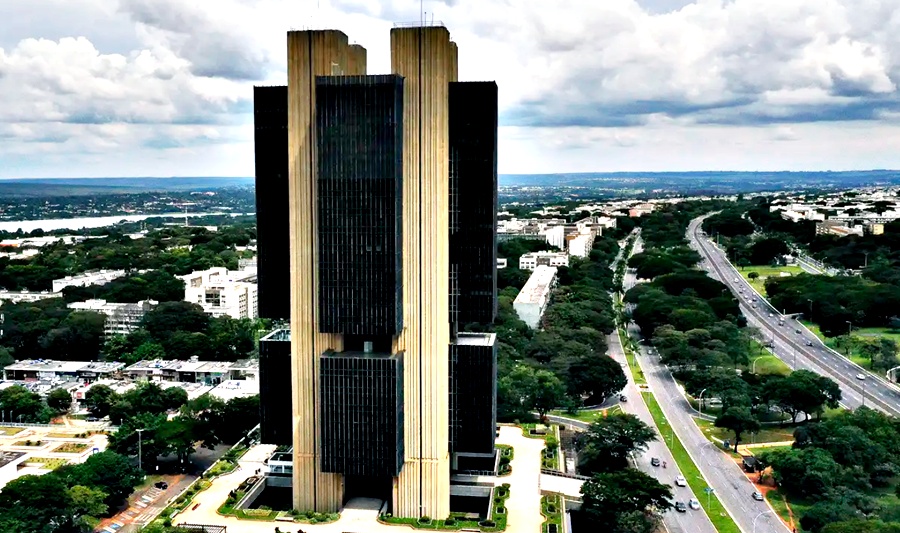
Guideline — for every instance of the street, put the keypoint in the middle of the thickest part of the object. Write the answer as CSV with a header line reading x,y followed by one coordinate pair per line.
x,y
791,346
731,485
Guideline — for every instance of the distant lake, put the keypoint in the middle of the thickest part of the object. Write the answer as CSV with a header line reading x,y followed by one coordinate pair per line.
x,y
93,222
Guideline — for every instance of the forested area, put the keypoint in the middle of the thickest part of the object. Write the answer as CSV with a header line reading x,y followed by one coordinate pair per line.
x,y
697,328
175,250
842,472
173,330
565,363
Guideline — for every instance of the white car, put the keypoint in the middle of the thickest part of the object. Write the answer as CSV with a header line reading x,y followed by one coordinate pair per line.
x,y
861,377
694,504
680,481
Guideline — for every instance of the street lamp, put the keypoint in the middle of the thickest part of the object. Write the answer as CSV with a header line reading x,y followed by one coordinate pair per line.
x,y
700,399
139,431
810,308
757,516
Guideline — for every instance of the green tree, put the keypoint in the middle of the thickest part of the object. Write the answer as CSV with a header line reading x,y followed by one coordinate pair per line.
x,y
88,501
608,498
861,526
823,513
59,400
606,444
739,420
753,275
99,399
42,503
547,394
596,376
106,471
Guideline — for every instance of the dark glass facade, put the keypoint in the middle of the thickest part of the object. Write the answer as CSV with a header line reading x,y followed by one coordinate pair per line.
x,y
270,120
359,129
361,396
275,388
473,393
473,193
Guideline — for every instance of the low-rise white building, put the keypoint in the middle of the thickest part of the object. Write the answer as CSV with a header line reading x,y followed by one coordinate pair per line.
x,y
532,260
27,296
223,292
99,277
580,245
47,369
535,295
121,318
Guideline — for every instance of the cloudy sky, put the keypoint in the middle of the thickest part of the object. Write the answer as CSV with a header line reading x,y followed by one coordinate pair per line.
x,y
164,87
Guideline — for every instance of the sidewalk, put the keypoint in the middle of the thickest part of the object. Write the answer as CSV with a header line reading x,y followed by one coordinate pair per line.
x,y
524,503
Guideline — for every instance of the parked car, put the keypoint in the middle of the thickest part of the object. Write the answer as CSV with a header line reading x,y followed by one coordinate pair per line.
x,y
623,398
162,485
680,507
680,481
694,504
757,495
654,461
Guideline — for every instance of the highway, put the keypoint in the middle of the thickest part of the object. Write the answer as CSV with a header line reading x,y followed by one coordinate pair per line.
x,y
793,343
733,488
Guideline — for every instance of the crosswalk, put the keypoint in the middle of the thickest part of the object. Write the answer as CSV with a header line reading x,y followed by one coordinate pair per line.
x,y
140,512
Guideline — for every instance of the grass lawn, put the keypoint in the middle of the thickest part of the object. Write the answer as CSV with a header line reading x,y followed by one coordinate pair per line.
x,y
780,503
589,416
61,435
720,518
765,434
636,373
766,272
550,508
71,447
889,333
769,364
47,462
29,443
9,432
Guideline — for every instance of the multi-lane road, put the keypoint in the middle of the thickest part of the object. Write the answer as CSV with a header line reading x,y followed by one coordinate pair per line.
x,y
792,342
720,472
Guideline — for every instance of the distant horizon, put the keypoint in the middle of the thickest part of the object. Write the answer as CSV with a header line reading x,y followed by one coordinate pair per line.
x,y
585,173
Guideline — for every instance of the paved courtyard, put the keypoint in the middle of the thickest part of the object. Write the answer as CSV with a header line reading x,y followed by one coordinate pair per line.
x,y
361,515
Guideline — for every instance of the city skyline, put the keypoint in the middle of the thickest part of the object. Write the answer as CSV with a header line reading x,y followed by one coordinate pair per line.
x,y
139,87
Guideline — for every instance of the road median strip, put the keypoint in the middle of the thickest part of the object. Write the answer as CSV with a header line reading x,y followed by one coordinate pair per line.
x,y
718,515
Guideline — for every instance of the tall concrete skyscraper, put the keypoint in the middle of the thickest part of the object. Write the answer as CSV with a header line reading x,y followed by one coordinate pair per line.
x,y
381,171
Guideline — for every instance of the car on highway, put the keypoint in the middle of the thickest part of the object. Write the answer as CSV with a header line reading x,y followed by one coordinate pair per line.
x,y
757,495
654,461
861,377
808,342
694,504
680,481
680,507
770,315
797,331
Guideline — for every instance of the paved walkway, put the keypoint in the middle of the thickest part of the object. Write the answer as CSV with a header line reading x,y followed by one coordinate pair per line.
x,y
360,515
524,503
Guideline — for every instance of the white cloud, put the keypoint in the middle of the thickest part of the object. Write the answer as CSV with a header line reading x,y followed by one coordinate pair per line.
x,y
158,85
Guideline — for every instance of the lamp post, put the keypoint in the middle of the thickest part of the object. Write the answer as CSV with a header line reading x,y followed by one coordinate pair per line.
x,y
139,431
810,308
700,399
757,516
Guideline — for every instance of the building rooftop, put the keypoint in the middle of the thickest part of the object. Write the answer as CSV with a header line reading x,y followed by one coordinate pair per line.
x,y
235,388
475,339
49,365
278,335
537,286
7,457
